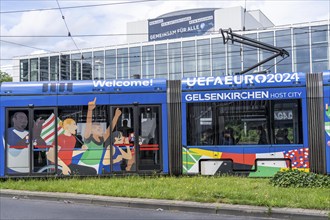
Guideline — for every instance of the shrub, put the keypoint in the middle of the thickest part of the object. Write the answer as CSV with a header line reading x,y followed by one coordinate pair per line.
x,y
296,178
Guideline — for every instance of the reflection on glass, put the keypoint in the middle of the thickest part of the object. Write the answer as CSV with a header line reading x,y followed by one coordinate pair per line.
x,y
283,40
148,61
174,50
76,66
134,61
218,57
203,57
24,70
34,66
54,68
98,65
122,63
189,59
110,64
161,61
44,76
87,66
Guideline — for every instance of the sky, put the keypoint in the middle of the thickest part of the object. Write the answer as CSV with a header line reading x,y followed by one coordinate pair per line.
x,y
25,29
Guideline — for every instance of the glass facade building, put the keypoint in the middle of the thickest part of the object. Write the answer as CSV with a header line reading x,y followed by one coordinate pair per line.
x,y
308,45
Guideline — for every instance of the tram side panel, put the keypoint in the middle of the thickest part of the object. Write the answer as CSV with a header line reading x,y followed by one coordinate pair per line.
x,y
223,129
326,93
25,148
2,140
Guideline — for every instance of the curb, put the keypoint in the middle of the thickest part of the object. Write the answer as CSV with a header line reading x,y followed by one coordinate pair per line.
x,y
172,205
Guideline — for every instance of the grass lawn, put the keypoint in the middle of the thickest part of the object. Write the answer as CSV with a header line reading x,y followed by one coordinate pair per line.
x,y
233,190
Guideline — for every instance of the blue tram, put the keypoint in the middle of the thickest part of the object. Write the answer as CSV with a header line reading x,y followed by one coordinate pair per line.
x,y
253,125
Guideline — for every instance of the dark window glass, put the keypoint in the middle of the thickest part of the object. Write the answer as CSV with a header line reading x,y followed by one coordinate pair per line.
x,y
244,123
24,70
54,68
65,67
34,69
87,66
44,76
287,122
76,66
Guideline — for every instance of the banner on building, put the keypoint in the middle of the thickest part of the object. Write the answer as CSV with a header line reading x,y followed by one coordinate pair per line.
x,y
179,26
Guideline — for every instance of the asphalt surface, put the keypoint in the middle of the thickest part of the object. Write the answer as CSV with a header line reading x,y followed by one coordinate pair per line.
x,y
213,208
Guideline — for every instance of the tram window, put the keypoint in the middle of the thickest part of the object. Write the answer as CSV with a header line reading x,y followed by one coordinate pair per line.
x,y
200,124
17,141
228,123
242,123
78,116
287,122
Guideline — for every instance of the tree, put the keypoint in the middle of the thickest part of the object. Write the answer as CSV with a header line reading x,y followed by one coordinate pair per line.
x,y
5,77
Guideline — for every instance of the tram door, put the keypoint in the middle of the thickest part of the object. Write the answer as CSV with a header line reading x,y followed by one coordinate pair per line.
x,y
29,135
135,138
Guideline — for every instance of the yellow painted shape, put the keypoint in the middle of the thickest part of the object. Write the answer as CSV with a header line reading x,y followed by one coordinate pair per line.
x,y
208,153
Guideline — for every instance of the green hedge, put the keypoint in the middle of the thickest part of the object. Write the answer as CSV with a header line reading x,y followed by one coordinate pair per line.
x,y
296,178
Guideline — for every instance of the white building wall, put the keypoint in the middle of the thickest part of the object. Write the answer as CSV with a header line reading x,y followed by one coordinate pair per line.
x,y
137,31
229,18
261,18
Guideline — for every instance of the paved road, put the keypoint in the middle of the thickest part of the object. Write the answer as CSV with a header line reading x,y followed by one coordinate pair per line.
x,y
14,208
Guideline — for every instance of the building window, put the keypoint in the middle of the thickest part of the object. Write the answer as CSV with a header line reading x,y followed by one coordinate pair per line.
x,y
76,66
134,61
24,70
320,48
189,59
122,63
283,40
301,56
65,67
218,57
98,66
174,51
161,60
44,76
110,64
148,62
87,66
54,68
203,58
250,54
234,58
34,67
268,38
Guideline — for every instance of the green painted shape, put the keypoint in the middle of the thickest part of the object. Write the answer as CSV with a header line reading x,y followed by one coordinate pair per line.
x,y
328,113
265,171
327,127
189,160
